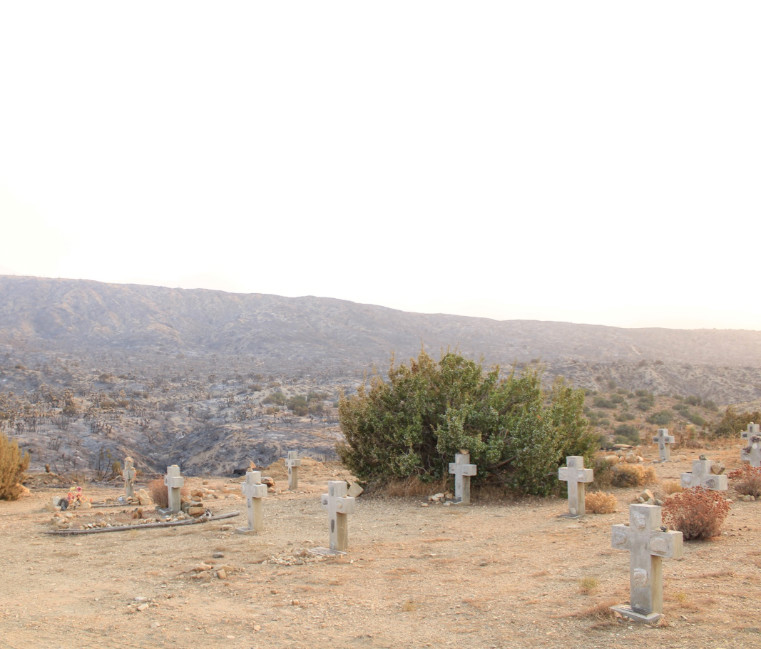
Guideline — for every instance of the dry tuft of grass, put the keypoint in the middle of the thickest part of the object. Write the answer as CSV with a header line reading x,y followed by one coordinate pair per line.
x,y
588,585
598,502
412,487
633,475
601,611
671,487
408,606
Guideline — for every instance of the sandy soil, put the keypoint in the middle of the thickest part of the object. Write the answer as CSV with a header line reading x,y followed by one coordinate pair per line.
x,y
488,575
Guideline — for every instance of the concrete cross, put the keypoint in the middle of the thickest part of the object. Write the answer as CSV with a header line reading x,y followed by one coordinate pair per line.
x,y
648,544
753,430
462,471
339,506
129,477
254,491
292,463
664,441
701,476
575,475
174,481
752,453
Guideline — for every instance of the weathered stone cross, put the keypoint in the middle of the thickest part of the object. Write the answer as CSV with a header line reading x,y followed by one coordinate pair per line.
x,y
292,463
701,476
575,475
462,471
664,443
339,506
129,477
753,429
648,543
254,491
752,453
174,481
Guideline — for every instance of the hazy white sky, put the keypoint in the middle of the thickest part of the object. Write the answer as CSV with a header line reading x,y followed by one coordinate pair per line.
x,y
595,162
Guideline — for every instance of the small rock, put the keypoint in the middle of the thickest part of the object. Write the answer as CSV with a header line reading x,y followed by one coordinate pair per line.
x,y
221,574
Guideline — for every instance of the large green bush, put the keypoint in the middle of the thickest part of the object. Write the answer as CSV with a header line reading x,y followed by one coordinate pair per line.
x,y
414,423
12,467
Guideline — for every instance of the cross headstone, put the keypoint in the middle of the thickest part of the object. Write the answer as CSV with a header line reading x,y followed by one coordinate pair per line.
x,y
664,441
462,470
292,463
752,453
753,429
339,506
648,543
174,481
254,491
701,476
575,475
129,477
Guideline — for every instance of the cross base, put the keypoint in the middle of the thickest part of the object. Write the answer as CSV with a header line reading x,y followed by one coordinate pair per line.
x,y
326,552
643,618
244,530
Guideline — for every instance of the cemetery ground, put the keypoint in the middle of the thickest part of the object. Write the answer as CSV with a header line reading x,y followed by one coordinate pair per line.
x,y
492,574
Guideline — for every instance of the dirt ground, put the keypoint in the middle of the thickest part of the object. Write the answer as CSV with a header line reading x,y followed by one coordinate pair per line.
x,y
492,574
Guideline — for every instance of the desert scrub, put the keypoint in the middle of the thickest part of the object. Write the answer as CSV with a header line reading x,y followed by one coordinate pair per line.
x,y
603,473
12,467
671,487
633,475
588,585
598,502
697,513
746,480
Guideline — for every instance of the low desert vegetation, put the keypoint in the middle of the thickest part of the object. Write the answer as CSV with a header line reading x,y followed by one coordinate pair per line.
x,y
414,423
12,466
746,480
632,475
697,513
599,502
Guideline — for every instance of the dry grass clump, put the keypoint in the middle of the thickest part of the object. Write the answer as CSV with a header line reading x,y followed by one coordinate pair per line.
x,y
588,585
747,480
671,487
12,467
633,475
697,513
598,502
601,611
412,487
603,473
159,494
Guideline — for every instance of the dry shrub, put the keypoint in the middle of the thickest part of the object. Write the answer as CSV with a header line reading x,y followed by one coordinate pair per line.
x,y
12,467
412,487
697,513
671,487
633,475
599,502
603,473
601,611
747,480
159,494
588,585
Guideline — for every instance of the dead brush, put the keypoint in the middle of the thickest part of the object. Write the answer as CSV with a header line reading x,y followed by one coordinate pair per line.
x,y
412,487
746,480
159,494
598,502
671,487
697,513
598,612
633,475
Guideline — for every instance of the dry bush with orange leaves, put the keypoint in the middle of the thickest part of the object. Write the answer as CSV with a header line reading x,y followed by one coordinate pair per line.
x,y
697,513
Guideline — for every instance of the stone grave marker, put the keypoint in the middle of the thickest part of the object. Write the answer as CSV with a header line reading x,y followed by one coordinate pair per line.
x,y
174,481
292,463
701,476
254,491
647,543
339,506
462,470
129,477
753,429
576,476
752,452
664,441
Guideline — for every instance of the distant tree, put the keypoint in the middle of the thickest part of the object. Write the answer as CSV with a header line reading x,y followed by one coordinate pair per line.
x,y
414,423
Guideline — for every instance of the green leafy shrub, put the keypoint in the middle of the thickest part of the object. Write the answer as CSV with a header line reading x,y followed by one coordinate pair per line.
x,y
626,434
414,423
660,418
697,513
12,466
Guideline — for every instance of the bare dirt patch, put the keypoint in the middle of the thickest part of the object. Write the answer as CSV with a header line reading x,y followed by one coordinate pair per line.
x,y
493,574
